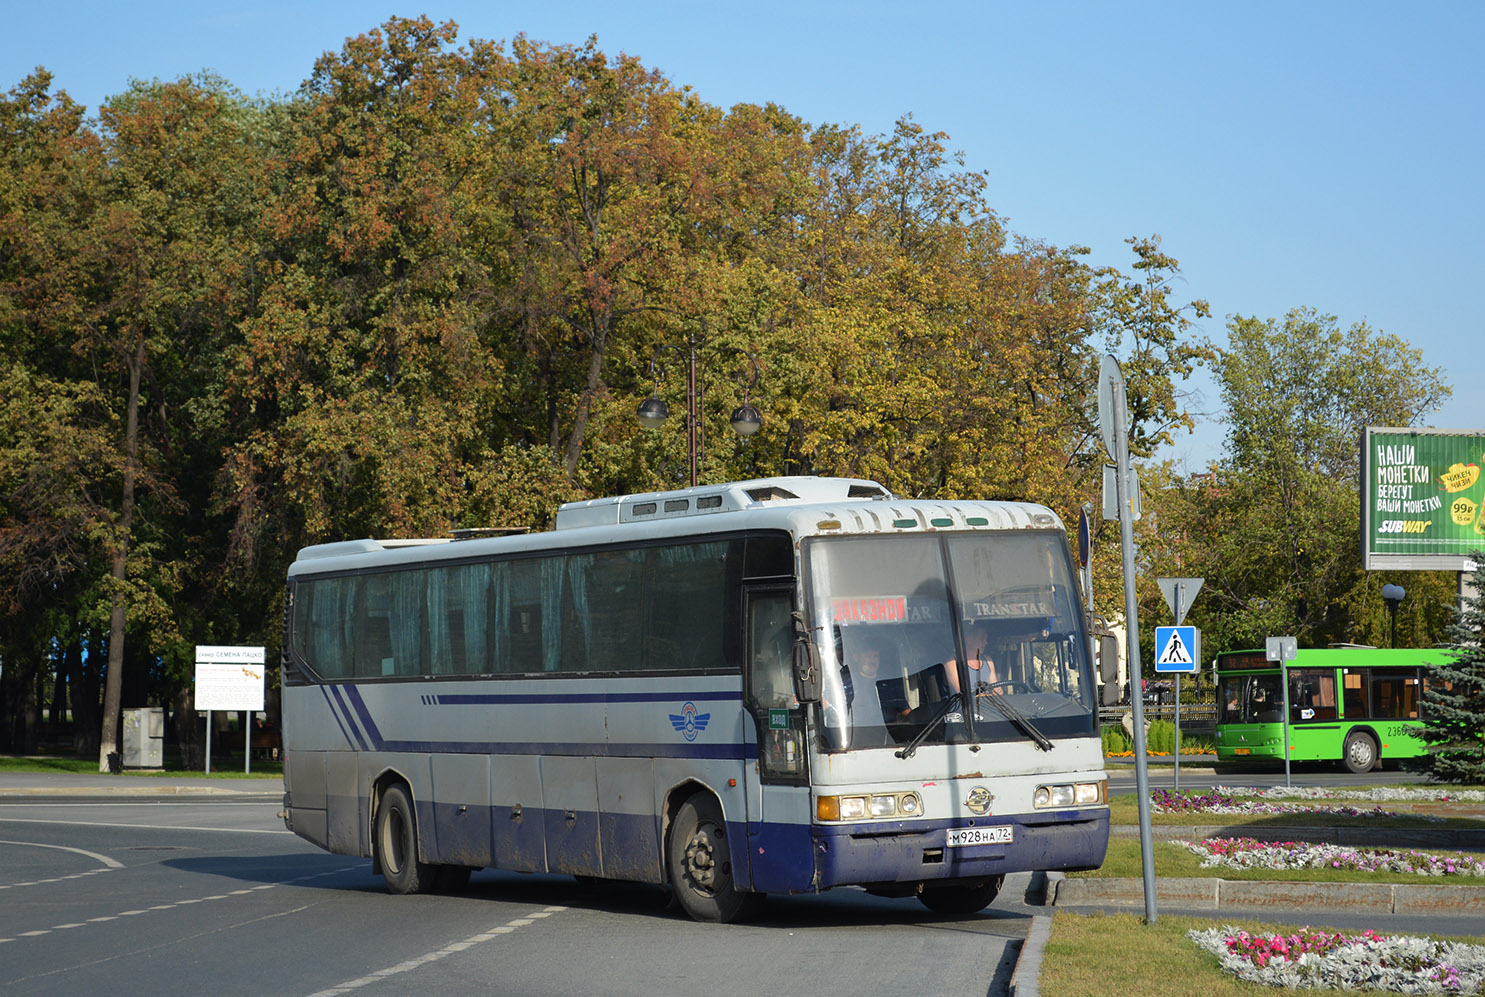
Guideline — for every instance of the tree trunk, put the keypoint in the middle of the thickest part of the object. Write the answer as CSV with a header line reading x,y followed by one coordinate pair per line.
x,y
108,745
574,447
189,730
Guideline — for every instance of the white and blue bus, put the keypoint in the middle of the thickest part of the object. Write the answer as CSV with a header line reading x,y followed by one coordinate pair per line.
x,y
734,689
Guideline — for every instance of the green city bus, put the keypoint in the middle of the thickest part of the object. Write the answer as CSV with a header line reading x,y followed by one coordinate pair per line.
x,y
1356,705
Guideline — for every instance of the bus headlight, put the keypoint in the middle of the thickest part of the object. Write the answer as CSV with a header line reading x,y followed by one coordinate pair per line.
x,y
1069,795
875,807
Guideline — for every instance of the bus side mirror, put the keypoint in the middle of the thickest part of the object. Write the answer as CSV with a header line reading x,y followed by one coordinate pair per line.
x,y
1108,659
1108,668
806,671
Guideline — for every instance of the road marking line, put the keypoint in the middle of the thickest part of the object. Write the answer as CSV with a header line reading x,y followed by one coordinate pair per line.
x,y
111,863
178,903
434,956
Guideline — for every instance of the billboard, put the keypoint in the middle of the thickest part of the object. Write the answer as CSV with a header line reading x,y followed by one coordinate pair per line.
x,y
1422,498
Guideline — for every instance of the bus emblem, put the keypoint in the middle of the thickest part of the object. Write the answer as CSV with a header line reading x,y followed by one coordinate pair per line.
x,y
979,800
688,722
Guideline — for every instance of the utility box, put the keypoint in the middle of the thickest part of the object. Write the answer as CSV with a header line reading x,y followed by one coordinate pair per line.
x,y
144,737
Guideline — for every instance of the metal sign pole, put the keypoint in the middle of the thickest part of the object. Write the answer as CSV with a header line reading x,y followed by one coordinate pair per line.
x,y
208,742
1177,746
1284,687
1112,377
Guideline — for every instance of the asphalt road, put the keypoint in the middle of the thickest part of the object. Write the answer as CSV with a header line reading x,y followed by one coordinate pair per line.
x,y
173,894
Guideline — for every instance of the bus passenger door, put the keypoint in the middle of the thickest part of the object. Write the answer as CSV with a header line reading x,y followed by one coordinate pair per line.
x,y
781,856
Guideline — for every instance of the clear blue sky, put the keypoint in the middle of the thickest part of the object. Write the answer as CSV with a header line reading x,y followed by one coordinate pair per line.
x,y
1322,154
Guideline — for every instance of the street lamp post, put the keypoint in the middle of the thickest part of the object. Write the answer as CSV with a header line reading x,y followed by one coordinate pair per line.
x,y
1393,596
653,412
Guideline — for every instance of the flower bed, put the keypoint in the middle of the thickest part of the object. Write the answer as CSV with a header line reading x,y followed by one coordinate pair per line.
x,y
1248,853
1222,801
1321,960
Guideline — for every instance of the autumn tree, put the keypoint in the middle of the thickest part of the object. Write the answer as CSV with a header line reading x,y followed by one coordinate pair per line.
x,y
362,383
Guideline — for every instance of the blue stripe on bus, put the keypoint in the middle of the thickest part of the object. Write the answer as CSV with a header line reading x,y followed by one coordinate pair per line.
x,y
344,717
353,694
496,699
355,709
576,749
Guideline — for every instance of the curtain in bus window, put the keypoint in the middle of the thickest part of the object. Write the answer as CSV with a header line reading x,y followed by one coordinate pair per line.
x,y
372,640
524,590
437,590
606,605
324,623
497,617
474,601
408,621
685,600
456,619
550,612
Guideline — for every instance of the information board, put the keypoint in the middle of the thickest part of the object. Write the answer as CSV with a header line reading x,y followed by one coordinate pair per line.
x,y
1422,498
229,678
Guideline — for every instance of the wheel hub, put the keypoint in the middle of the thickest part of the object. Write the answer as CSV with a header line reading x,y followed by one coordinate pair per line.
x,y
701,858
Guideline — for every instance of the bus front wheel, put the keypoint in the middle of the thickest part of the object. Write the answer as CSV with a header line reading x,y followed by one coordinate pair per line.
x,y
700,865
961,899
397,844
1361,752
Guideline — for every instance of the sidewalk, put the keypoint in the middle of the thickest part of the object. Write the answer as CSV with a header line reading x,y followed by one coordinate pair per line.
x,y
171,784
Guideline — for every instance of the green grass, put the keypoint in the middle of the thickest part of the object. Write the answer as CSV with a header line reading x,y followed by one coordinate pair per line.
x,y
1096,955
229,769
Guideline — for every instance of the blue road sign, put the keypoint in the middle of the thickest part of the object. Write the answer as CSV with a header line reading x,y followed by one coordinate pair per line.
x,y
1177,649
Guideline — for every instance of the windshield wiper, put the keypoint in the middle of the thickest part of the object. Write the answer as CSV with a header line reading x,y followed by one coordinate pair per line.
x,y
947,706
1019,719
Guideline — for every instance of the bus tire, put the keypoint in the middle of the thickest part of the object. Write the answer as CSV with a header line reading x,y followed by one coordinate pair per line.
x,y
700,865
961,899
1360,752
397,844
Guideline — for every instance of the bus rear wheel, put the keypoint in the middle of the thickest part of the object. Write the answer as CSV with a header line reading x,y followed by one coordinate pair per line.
x,y
961,899
397,844
700,865
1360,752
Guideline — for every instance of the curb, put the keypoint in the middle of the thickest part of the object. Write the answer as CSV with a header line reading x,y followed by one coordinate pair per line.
x,y
1026,980
1215,894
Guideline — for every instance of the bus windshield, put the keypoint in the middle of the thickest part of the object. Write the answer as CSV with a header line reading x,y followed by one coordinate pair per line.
x,y
1250,699
914,620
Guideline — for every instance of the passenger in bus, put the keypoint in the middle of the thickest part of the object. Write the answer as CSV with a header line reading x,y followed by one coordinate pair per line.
x,y
985,675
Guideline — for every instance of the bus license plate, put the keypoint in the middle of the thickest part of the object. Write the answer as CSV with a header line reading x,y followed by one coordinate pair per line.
x,y
1241,751
999,834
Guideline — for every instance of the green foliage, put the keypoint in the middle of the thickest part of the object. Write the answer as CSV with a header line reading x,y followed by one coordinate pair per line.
x,y
428,292
1273,525
1454,696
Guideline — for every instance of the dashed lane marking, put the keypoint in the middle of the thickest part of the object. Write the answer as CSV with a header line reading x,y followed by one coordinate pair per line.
x,y
446,951
171,906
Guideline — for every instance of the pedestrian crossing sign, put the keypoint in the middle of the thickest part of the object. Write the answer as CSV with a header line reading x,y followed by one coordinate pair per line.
x,y
1177,649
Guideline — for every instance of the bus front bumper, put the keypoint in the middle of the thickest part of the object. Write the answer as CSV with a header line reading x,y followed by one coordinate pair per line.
x,y
898,853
